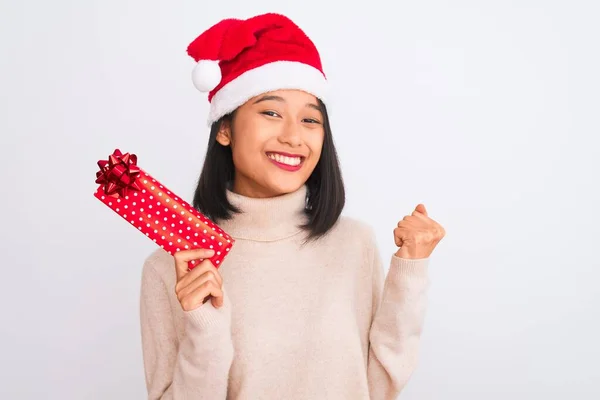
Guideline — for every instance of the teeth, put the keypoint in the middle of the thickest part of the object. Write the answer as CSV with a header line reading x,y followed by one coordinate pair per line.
x,y
292,161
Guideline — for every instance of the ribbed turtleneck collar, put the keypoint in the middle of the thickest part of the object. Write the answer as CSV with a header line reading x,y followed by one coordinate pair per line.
x,y
266,219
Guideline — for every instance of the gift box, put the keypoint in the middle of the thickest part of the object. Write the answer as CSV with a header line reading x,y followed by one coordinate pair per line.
x,y
156,211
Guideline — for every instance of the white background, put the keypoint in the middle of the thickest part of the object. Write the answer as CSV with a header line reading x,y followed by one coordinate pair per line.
x,y
485,111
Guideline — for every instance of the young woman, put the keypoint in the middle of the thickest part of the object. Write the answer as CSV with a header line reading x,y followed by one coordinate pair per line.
x,y
300,308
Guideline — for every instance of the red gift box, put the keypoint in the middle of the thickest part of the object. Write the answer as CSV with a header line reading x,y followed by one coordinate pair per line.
x,y
156,211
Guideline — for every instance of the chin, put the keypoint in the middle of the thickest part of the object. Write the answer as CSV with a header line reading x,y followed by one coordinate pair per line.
x,y
286,185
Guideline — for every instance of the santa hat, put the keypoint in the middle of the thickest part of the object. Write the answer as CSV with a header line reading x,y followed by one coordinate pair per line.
x,y
239,59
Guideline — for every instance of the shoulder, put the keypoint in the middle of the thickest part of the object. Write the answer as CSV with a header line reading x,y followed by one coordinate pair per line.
x,y
159,265
351,242
354,226
353,231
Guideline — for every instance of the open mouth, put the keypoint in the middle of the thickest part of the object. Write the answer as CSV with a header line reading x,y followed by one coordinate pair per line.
x,y
286,161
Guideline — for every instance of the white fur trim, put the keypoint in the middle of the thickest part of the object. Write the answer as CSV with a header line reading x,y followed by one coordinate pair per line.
x,y
277,75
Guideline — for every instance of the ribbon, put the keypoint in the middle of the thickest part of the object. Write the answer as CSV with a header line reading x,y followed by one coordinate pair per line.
x,y
118,174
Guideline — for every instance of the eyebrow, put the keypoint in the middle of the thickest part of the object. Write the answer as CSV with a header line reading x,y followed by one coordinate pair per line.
x,y
281,99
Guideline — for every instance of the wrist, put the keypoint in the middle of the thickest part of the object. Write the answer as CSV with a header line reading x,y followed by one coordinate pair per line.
x,y
411,254
207,315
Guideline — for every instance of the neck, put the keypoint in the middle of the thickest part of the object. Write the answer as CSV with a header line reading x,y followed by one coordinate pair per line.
x,y
266,219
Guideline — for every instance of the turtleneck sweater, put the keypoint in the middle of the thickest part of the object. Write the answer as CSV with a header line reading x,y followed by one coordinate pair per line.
x,y
300,320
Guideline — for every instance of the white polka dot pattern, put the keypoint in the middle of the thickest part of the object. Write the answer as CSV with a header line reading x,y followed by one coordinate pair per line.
x,y
168,220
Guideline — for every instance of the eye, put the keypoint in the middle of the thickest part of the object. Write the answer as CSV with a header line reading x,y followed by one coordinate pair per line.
x,y
311,121
270,113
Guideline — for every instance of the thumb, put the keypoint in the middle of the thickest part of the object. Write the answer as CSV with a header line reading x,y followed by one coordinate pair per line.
x,y
182,258
421,208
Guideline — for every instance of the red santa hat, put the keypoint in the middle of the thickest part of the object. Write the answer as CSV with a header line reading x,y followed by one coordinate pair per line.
x,y
239,59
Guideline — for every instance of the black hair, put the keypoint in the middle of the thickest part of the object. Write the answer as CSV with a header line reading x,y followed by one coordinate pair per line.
x,y
325,195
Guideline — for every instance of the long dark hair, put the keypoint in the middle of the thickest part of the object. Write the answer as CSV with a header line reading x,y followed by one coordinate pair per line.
x,y
326,193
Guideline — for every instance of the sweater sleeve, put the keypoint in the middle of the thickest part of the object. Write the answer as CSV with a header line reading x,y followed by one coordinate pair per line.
x,y
193,367
399,301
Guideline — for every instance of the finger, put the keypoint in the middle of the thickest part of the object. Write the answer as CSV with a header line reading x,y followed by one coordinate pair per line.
x,y
217,301
408,220
196,298
199,296
398,234
202,268
208,276
419,217
183,257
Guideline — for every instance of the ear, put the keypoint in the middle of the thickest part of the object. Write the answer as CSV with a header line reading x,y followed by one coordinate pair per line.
x,y
224,134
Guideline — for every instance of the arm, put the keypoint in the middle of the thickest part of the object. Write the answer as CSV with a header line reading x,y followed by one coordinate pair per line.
x,y
197,367
399,302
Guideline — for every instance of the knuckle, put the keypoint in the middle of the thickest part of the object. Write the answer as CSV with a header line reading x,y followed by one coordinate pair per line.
x,y
215,275
179,295
210,276
185,304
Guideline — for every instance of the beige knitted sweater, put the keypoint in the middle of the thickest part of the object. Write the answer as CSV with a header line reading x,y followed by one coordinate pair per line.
x,y
317,321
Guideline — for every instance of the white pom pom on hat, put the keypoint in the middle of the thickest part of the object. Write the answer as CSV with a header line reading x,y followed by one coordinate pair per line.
x,y
206,75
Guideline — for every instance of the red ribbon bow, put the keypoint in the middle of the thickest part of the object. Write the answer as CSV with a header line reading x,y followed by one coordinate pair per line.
x,y
118,174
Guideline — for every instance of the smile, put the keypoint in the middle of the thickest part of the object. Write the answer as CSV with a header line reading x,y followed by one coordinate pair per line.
x,y
289,162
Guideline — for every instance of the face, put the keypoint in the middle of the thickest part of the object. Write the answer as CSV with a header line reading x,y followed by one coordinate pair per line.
x,y
276,141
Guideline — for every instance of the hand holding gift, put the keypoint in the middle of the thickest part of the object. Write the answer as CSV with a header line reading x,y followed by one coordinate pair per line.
x,y
197,286
157,212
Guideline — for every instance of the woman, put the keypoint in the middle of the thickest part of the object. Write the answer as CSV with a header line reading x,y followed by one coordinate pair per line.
x,y
300,308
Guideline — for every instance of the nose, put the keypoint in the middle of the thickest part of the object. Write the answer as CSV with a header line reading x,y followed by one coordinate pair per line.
x,y
291,134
